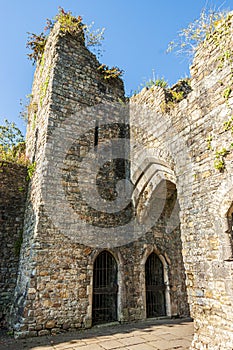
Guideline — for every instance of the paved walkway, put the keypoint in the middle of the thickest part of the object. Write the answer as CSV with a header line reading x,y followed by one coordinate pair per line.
x,y
149,335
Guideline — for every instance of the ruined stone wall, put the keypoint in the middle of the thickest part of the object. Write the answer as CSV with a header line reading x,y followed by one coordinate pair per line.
x,y
13,188
184,142
172,148
51,266
207,230
70,99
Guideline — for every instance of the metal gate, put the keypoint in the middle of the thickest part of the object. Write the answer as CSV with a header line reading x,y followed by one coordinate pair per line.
x,y
105,289
155,287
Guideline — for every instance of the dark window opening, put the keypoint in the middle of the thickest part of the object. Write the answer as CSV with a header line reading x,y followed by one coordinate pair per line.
x,y
105,289
96,137
155,287
35,146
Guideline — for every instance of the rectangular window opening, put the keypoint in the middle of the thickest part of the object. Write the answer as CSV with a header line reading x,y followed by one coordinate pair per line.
x,y
96,136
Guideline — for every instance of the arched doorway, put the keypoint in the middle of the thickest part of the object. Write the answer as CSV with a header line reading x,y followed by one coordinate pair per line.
x,y
105,289
155,287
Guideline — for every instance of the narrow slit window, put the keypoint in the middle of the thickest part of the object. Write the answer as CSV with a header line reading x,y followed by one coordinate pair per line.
x,y
96,137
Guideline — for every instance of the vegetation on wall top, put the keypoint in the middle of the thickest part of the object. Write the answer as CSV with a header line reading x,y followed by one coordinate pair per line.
x,y
212,29
69,24
173,94
110,73
150,83
73,26
198,32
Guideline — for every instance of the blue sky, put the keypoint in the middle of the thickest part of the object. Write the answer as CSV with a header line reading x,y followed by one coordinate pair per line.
x,y
136,37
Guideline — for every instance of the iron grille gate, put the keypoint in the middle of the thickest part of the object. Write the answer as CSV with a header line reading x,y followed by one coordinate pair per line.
x,y
155,287
105,289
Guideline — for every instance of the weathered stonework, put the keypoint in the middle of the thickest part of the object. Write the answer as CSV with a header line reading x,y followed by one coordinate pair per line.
x,y
55,281
13,189
204,193
182,200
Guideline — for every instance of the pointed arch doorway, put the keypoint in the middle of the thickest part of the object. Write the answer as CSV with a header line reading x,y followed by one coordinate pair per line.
x,y
105,289
155,287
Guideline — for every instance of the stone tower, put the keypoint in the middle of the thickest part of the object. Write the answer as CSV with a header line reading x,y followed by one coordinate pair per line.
x,y
104,269
129,203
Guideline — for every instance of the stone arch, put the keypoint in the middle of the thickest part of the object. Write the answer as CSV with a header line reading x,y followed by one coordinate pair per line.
x,y
153,178
148,251
157,205
148,161
119,261
148,156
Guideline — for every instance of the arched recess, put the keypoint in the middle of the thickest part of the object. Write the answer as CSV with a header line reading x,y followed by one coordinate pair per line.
x,y
160,284
154,181
108,258
88,319
157,206
155,287
105,289
150,171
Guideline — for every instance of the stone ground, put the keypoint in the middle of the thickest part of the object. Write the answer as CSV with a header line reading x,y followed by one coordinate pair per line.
x,y
148,335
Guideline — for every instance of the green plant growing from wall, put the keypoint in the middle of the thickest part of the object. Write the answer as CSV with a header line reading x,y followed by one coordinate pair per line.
x,y
160,82
31,170
43,89
36,43
32,109
42,64
198,32
220,36
69,24
219,162
228,124
211,28
150,83
209,142
226,56
177,96
227,92
110,73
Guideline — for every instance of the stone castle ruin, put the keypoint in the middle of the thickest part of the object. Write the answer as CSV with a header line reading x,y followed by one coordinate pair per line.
x,y
150,233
